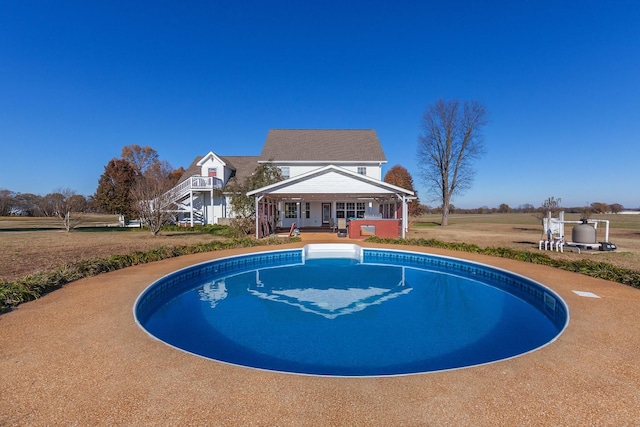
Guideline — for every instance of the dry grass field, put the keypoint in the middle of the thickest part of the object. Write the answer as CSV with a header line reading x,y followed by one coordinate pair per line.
x,y
29,245
524,231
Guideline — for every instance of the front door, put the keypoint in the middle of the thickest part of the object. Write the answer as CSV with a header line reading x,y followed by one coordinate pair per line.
x,y
326,213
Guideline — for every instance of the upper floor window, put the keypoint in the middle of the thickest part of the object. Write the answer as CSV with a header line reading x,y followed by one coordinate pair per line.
x,y
362,170
284,170
213,172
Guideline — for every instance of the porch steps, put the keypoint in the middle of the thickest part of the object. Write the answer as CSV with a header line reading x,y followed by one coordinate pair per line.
x,y
332,250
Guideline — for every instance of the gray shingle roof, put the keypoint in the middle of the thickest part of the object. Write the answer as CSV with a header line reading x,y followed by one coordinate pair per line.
x,y
307,145
192,170
322,145
244,166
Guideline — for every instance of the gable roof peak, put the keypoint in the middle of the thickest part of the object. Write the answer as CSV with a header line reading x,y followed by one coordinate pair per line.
x,y
211,155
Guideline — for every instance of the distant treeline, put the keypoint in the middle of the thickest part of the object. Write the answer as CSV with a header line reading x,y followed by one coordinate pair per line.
x,y
27,204
593,208
49,205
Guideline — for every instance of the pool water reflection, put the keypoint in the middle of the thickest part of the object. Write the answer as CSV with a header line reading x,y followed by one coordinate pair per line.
x,y
387,313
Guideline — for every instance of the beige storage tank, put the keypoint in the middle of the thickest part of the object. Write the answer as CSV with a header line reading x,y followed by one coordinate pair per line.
x,y
583,233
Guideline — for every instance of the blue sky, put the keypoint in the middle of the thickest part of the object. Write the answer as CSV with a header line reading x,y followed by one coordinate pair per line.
x,y
560,79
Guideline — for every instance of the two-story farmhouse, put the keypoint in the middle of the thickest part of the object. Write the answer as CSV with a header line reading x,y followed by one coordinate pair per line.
x,y
329,176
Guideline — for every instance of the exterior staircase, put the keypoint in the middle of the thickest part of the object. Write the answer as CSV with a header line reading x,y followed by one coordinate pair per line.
x,y
189,197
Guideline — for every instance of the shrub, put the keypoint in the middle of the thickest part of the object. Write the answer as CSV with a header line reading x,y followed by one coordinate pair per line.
x,y
13,293
587,267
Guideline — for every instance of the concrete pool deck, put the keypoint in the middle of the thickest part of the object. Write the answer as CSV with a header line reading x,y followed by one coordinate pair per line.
x,y
76,357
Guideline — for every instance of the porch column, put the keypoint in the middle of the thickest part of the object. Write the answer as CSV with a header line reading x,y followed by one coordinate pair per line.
x,y
257,203
302,213
210,220
405,216
191,207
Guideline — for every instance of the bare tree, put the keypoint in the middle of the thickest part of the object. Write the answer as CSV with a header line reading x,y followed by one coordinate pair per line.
x,y
616,208
139,167
451,139
66,205
551,206
49,203
600,208
153,198
7,202
27,204
141,158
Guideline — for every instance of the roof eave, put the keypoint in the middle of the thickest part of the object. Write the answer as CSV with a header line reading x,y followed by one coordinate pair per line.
x,y
323,169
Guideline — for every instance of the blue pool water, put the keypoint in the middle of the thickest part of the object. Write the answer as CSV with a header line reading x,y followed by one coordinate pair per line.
x,y
350,312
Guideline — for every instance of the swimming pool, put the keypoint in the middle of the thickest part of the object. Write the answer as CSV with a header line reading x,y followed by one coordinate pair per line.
x,y
344,310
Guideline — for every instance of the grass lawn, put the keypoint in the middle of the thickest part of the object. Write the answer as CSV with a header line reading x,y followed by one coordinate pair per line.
x,y
33,245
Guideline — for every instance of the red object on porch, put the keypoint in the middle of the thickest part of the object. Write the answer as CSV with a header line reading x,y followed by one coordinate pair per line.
x,y
386,228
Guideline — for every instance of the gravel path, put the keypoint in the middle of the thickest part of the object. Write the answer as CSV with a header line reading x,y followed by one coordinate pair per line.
x,y
76,357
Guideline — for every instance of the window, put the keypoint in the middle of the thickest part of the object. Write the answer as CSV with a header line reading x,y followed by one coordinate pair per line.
x,y
291,210
307,209
284,170
350,209
362,170
213,172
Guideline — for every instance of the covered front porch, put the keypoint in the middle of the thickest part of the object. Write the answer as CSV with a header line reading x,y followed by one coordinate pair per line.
x,y
329,199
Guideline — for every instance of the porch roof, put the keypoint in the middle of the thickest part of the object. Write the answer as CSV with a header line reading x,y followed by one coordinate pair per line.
x,y
331,182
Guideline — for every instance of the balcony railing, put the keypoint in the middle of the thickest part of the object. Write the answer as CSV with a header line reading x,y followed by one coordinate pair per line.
x,y
198,183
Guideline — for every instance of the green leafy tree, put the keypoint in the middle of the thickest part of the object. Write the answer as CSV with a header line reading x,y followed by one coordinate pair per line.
x,y
244,208
451,139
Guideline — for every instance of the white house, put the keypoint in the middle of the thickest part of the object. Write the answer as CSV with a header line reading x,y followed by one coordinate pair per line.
x,y
329,175
200,192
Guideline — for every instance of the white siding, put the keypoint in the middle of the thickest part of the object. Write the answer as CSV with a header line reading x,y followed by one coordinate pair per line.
x,y
211,163
373,171
328,184
223,173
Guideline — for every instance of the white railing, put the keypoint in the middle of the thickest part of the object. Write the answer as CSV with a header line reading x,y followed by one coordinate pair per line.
x,y
197,183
